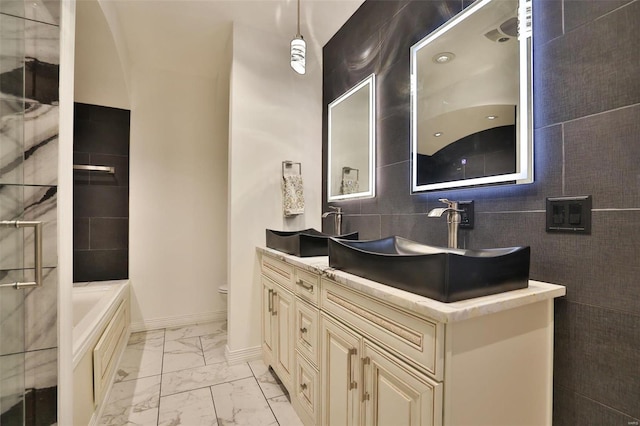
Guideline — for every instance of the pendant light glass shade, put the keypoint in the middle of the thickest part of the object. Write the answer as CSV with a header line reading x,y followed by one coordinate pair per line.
x,y
298,52
298,49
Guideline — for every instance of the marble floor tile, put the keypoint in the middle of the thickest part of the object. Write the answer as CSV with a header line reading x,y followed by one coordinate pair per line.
x,y
141,336
209,375
284,412
196,330
141,359
182,354
270,385
241,403
133,403
188,408
213,347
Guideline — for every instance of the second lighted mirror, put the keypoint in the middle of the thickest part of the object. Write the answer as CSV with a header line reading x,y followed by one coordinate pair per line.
x,y
471,99
351,147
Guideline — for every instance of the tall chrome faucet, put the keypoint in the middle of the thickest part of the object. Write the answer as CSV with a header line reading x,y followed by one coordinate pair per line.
x,y
453,219
337,219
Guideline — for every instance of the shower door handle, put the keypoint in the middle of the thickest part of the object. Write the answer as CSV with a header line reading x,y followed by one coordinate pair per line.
x,y
37,251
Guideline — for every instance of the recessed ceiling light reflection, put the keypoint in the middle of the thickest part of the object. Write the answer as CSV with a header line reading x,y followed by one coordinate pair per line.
x,y
491,117
443,57
437,134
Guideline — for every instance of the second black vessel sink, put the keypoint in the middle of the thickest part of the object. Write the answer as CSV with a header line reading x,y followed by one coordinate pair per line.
x,y
304,243
439,273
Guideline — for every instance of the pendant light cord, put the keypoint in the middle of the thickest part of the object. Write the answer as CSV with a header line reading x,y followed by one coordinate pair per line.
x,y
298,33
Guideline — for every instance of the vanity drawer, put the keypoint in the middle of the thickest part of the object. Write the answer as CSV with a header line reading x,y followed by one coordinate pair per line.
x,y
418,340
307,286
278,271
307,391
306,330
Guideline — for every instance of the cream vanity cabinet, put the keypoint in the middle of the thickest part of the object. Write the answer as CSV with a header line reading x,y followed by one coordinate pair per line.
x,y
365,383
290,321
355,352
277,318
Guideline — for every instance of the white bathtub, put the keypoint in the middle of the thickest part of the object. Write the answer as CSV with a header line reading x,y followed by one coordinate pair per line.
x,y
93,306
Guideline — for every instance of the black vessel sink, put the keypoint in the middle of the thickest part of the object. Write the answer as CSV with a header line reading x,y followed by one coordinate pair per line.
x,y
305,243
439,273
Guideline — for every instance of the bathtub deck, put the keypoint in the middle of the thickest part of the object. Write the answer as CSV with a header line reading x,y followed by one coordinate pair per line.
x,y
180,376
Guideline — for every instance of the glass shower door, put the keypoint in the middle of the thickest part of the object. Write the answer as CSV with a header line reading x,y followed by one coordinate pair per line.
x,y
12,332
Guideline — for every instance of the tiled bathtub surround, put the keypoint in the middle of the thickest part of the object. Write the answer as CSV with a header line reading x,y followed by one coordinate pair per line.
x,y
29,37
101,200
587,104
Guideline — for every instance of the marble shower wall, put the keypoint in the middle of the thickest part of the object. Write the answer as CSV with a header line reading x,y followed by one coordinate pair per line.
x,y
29,72
101,200
587,105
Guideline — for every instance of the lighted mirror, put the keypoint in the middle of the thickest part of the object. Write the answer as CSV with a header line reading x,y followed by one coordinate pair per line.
x,y
471,116
351,147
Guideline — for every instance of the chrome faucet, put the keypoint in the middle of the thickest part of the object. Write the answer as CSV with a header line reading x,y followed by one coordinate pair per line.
x,y
337,219
453,219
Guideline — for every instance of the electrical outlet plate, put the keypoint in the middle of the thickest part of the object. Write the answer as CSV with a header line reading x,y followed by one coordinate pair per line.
x,y
569,214
467,218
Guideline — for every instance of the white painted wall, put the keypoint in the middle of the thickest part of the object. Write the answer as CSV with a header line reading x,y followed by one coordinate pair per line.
x,y
65,213
275,115
99,73
178,168
178,197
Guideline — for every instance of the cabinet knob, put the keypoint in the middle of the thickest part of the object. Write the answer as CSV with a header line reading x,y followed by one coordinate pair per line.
x,y
303,330
303,386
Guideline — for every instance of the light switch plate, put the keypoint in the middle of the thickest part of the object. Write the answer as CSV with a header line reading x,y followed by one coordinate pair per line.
x,y
569,214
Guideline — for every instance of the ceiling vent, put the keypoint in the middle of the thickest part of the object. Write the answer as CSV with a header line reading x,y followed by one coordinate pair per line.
x,y
507,30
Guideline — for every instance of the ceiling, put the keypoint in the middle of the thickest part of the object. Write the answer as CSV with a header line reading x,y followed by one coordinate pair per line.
x,y
172,34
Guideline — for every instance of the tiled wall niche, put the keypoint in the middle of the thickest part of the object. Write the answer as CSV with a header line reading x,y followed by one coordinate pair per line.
x,y
29,64
101,200
587,105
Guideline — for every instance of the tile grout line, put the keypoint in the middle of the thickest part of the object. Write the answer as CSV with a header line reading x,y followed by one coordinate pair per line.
x,y
164,343
213,402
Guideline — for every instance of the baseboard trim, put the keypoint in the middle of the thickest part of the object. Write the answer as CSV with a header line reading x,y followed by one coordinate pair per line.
x,y
242,355
178,321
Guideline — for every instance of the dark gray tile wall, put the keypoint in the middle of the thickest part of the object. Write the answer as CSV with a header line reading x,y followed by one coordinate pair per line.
x,y
101,200
587,122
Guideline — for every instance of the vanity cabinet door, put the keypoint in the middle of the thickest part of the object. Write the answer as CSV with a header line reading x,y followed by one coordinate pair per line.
x,y
268,321
284,314
340,374
277,323
394,393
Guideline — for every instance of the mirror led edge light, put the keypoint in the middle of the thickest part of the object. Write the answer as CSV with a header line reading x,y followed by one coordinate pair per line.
x,y
371,81
525,169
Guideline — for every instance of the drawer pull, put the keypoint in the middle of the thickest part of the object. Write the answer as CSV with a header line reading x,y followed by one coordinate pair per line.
x,y
304,285
303,330
352,383
303,386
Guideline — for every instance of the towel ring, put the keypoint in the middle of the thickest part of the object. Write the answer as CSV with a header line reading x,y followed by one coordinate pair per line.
x,y
347,170
289,164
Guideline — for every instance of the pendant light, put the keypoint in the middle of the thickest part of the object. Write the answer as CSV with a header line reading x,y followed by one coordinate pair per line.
x,y
298,49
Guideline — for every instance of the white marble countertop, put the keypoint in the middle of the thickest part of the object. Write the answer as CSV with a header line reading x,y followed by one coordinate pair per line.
x,y
439,311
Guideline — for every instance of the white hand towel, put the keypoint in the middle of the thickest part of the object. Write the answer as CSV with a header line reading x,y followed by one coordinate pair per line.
x,y
292,195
